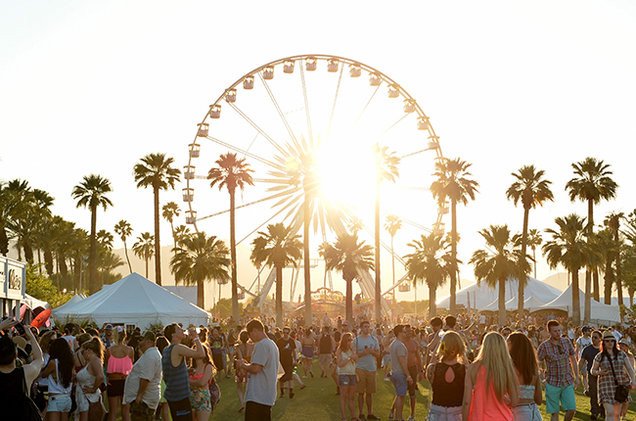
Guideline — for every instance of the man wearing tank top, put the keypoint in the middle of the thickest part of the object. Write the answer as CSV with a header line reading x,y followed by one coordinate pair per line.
x,y
175,372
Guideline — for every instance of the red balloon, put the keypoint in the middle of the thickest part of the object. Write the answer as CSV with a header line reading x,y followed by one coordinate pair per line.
x,y
41,318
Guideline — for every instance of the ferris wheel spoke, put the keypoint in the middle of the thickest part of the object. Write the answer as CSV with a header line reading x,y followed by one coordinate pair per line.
x,y
364,109
335,100
307,114
259,227
245,152
391,127
410,154
278,109
258,128
245,205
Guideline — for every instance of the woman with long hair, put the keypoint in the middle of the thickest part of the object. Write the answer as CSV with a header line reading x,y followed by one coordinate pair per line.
x,y
59,375
447,373
612,367
119,362
243,351
524,359
491,385
346,370
80,362
42,382
201,373
90,378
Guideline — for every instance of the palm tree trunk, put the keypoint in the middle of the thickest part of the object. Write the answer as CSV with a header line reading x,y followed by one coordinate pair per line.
x,y
588,269
4,241
77,272
534,257
349,302
619,272
630,292
146,268
378,290
453,271
306,268
200,295
126,253
39,261
524,246
157,238
596,285
28,252
608,278
502,302
279,296
92,256
393,270
48,261
235,307
576,303
432,297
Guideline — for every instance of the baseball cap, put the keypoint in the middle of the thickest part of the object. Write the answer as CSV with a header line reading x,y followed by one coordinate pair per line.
x,y
108,327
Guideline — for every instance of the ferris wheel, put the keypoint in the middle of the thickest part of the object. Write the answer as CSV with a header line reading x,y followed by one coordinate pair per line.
x,y
316,122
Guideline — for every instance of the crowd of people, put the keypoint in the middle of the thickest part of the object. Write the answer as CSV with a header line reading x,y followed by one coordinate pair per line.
x,y
476,371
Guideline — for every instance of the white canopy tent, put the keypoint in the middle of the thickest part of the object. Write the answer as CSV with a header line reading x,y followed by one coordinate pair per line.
x,y
529,304
74,300
598,312
134,300
33,302
479,297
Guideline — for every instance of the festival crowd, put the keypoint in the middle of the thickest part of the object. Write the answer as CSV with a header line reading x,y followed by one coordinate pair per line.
x,y
477,371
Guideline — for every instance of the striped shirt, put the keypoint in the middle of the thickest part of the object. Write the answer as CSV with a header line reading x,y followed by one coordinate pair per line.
x,y
176,378
557,360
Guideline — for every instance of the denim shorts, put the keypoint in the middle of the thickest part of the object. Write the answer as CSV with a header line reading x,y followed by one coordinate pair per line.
x,y
400,383
59,403
347,380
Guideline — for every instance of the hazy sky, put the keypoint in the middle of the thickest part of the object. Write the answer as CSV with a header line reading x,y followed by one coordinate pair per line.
x,y
90,87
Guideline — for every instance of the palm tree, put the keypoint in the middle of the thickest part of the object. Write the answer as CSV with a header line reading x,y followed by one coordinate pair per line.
x,y
569,247
386,170
199,258
592,183
606,249
91,193
499,262
349,256
181,232
144,248
155,170
453,183
429,263
392,225
277,247
613,223
532,190
169,211
534,241
232,172
124,230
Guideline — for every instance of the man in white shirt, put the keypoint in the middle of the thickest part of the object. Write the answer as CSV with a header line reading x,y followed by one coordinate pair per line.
x,y
260,395
581,342
142,390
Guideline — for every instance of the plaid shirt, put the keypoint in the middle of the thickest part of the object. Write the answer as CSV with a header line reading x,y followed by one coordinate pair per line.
x,y
557,361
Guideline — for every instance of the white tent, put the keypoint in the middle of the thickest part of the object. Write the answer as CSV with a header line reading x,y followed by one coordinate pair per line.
x,y
529,303
33,302
134,300
187,293
598,312
74,300
479,297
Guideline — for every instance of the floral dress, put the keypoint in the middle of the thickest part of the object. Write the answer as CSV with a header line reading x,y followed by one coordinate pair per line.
x,y
606,384
200,395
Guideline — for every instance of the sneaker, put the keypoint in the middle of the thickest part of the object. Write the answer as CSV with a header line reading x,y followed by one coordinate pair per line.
x,y
291,394
411,418
372,417
361,417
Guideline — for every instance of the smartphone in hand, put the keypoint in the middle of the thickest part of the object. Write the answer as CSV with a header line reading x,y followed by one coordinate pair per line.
x,y
20,328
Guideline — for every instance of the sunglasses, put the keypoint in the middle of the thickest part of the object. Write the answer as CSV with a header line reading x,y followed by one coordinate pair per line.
x,y
609,340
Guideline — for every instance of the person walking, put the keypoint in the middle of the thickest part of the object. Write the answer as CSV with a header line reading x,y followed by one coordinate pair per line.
x,y
526,366
367,348
325,351
491,385
579,345
400,376
260,394
286,348
446,374
346,371
142,388
243,351
90,380
59,373
175,372
560,372
415,367
119,362
614,371
587,360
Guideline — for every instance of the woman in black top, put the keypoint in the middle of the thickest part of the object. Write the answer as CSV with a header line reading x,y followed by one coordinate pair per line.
x,y
446,374
286,346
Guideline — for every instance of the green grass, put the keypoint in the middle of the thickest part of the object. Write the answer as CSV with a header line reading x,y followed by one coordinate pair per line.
x,y
318,402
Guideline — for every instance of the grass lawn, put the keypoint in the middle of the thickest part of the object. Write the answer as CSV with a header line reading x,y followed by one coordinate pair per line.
x,y
318,402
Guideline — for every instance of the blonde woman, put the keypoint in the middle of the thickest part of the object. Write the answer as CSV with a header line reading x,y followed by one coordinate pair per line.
x,y
491,386
447,373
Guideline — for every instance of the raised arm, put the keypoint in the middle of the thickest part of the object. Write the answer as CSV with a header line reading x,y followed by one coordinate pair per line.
x,y
197,352
32,370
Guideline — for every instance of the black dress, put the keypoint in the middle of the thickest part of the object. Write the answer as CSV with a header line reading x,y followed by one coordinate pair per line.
x,y
286,349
